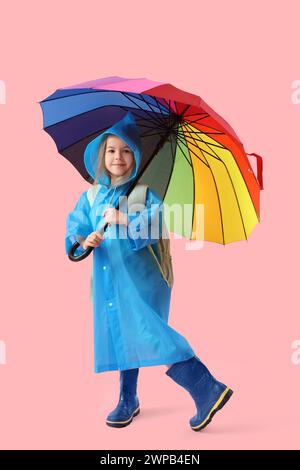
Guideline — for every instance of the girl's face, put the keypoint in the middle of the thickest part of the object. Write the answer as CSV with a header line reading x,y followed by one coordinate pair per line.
x,y
119,157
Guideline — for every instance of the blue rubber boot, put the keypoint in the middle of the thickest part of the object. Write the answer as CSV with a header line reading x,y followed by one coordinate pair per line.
x,y
128,405
209,394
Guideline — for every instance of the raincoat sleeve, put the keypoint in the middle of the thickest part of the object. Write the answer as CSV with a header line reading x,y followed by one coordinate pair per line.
x,y
145,227
78,224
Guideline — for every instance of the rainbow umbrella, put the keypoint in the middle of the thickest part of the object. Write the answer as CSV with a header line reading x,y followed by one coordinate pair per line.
x,y
191,155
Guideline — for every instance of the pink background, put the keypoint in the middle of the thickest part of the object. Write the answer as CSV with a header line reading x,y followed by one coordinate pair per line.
x,y
236,305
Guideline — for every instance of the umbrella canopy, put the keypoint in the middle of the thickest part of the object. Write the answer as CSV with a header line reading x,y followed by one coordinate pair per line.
x,y
190,155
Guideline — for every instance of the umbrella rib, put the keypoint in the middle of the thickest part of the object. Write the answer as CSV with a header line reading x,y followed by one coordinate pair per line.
x,y
199,119
236,194
228,173
90,93
95,132
183,151
99,107
209,127
197,146
105,91
247,191
219,203
192,151
94,92
80,114
195,114
148,127
193,210
75,94
143,99
173,152
203,117
193,179
167,107
155,133
92,133
85,112
208,143
230,179
206,133
203,141
218,196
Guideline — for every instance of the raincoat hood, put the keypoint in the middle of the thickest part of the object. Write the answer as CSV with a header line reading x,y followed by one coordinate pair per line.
x,y
127,130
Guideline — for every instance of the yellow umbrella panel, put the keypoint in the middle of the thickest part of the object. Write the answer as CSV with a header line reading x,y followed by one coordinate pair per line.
x,y
220,191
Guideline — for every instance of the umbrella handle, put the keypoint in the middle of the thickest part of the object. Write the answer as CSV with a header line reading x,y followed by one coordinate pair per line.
x,y
89,249
71,253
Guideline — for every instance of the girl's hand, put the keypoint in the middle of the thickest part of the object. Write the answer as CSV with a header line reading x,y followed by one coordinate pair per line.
x,y
113,216
93,239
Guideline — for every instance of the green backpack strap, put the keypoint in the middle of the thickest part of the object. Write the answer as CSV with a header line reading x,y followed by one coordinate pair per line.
x,y
92,193
137,196
164,260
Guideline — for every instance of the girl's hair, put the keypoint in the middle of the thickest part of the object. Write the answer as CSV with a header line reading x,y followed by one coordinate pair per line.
x,y
101,164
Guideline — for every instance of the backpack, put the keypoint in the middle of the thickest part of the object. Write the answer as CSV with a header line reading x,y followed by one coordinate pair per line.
x,y
164,261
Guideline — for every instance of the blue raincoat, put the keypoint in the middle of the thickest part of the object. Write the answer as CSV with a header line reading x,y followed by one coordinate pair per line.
x,y
131,299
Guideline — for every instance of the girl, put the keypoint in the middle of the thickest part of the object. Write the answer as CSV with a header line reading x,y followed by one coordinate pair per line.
x,y
131,298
